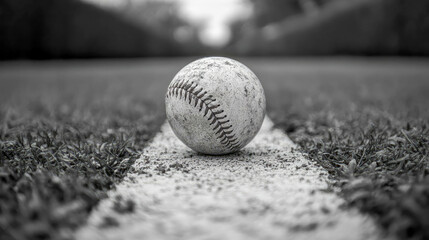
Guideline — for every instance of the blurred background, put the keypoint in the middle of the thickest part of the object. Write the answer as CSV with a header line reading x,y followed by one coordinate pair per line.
x,y
60,29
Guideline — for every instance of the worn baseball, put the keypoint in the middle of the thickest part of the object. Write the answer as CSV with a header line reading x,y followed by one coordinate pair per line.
x,y
215,105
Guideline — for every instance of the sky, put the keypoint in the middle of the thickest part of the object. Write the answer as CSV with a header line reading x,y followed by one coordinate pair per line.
x,y
212,15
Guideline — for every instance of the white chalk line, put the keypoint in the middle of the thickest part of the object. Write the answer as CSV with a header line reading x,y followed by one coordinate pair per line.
x,y
266,191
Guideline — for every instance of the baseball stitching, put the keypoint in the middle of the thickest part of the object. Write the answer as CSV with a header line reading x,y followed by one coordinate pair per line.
x,y
191,90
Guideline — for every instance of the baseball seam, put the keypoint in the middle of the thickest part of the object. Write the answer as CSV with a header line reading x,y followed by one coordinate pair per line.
x,y
191,90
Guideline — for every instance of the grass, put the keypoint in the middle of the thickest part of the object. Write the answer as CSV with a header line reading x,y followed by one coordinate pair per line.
x,y
55,169
70,131
371,133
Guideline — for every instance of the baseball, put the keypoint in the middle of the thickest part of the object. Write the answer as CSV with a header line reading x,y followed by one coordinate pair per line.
x,y
215,105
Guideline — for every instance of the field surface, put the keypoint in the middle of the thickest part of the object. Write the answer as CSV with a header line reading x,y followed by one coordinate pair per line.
x,y
71,131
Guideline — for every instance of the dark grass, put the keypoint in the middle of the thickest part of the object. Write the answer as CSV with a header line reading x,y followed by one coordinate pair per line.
x,y
55,166
68,133
367,124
